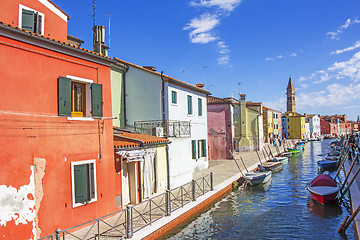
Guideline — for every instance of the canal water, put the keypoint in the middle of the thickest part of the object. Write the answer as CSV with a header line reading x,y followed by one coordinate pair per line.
x,y
279,209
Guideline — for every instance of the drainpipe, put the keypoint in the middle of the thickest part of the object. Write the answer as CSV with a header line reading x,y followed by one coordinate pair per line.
x,y
163,120
123,92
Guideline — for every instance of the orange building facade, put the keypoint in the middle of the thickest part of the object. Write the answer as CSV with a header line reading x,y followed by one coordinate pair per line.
x,y
56,140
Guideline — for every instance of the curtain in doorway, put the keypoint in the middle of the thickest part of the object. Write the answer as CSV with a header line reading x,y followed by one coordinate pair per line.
x,y
149,172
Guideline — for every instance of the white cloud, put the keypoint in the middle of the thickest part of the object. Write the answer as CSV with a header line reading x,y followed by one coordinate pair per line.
x,y
356,45
293,54
279,104
224,51
202,27
301,79
228,5
334,95
339,70
336,34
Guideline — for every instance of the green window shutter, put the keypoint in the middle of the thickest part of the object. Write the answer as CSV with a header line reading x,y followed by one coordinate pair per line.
x,y
200,107
189,99
193,146
96,100
80,182
199,148
204,148
27,21
174,97
64,96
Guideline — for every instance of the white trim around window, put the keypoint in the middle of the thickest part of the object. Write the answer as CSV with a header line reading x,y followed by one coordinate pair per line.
x,y
73,164
21,7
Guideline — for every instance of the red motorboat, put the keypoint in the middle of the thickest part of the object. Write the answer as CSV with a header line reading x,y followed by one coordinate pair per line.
x,y
323,188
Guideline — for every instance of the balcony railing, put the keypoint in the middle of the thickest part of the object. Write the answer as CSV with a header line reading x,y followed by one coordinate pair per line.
x,y
164,128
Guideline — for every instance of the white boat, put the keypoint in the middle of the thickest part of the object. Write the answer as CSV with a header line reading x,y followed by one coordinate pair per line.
x,y
258,177
280,159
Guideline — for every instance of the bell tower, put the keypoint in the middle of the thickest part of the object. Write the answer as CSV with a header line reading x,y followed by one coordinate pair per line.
x,y
290,93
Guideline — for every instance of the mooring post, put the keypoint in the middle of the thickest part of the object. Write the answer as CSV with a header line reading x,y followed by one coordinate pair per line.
x,y
342,162
268,155
193,185
244,164
211,182
351,181
340,229
343,229
128,222
57,233
263,154
259,157
347,175
270,151
236,163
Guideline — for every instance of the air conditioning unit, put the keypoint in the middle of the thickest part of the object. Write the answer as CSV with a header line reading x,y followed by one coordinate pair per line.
x,y
158,131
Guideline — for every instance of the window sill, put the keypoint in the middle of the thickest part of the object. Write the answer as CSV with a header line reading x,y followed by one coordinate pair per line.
x,y
83,204
89,119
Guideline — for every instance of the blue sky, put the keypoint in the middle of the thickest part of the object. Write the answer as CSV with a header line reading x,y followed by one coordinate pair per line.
x,y
239,46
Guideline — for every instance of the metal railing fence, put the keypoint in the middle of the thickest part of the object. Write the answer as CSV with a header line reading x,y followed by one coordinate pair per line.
x,y
122,224
169,128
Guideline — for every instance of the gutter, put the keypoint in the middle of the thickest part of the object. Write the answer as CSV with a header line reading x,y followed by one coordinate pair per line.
x,y
123,93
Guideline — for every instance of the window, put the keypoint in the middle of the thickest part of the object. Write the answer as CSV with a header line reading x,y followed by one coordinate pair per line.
x,y
288,120
200,106
201,148
79,97
189,102
83,176
193,148
173,97
31,20
288,127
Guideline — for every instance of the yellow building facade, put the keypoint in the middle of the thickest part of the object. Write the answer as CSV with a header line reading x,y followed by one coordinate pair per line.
x,y
295,124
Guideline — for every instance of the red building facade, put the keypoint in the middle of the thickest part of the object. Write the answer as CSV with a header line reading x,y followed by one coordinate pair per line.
x,y
57,158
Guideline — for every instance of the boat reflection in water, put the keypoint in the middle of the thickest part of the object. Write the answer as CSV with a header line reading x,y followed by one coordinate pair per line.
x,y
332,209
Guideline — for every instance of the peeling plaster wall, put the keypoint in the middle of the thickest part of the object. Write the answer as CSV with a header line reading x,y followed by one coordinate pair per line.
x,y
39,172
18,205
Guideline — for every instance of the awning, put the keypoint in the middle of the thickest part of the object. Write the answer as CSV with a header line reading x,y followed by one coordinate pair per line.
x,y
132,156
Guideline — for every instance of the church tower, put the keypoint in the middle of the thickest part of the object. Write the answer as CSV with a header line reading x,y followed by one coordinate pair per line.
x,y
290,93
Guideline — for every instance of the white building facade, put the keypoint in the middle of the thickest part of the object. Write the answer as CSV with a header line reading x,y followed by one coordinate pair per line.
x,y
314,125
166,107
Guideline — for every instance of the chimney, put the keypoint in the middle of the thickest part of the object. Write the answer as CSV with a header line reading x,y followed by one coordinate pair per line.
x,y
99,40
200,85
151,68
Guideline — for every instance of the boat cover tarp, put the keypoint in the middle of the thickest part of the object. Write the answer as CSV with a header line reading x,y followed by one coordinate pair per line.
x,y
323,180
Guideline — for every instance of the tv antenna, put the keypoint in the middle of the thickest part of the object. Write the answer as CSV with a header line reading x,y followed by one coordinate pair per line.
x,y
109,34
93,9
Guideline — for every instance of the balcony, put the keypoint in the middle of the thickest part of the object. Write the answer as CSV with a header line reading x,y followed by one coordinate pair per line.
x,y
164,128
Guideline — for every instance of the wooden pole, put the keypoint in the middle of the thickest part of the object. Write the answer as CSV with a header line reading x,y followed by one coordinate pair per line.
x,y
264,154
267,153
341,165
270,152
348,174
236,163
343,229
259,157
351,181
244,164
340,229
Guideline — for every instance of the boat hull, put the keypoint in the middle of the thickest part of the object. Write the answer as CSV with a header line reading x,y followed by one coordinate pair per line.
x,y
327,164
255,178
323,199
